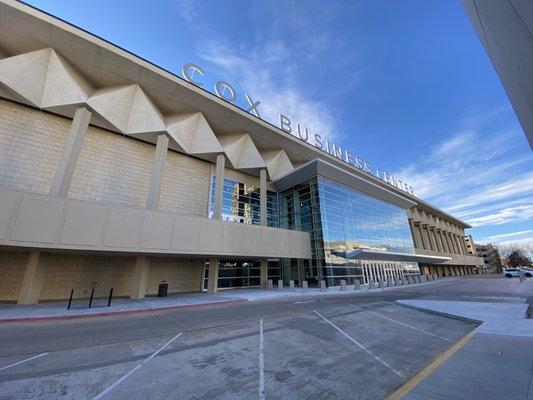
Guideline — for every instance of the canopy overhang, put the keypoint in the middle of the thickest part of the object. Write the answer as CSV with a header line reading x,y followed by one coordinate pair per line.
x,y
373,255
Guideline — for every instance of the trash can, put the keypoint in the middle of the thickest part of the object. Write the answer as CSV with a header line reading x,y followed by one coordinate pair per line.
x,y
163,288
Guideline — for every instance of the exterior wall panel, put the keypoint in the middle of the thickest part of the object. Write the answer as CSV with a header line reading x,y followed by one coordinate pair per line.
x,y
31,143
185,187
12,268
181,275
112,169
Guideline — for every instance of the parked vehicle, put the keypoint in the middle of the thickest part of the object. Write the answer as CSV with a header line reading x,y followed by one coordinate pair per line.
x,y
510,272
528,272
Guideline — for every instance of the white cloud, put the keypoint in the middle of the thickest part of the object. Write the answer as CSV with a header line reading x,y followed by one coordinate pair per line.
x,y
496,238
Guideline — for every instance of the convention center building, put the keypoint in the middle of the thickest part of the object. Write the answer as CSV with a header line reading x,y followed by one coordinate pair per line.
x,y
115,173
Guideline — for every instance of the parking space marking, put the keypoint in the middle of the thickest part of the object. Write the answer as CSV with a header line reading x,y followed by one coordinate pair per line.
x,y
407,325
139,366
23,361
261,363
376,357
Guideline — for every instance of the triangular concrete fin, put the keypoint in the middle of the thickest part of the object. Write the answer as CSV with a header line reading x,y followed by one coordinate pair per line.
x,y
277,162
241,152
144,116
64,84
25,74
193,134
114,105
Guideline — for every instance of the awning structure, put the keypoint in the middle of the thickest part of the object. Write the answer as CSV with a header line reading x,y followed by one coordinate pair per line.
x,y
373,255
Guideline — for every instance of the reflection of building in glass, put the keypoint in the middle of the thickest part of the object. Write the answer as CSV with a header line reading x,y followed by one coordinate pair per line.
x,y
128,177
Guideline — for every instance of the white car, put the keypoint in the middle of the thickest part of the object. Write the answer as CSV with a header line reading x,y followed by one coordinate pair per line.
x,y
510,272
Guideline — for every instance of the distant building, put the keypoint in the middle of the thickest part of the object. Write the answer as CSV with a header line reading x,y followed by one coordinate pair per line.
x,y
490,256
505,30
470,245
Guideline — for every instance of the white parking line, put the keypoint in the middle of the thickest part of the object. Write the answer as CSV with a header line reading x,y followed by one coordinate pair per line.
x,y
23,361
124,377
407,325
379,359
261,363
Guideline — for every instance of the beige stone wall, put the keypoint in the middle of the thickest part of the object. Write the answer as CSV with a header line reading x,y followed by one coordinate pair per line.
x,y
181,275
12,267
81,272
185,187
31,143
113,168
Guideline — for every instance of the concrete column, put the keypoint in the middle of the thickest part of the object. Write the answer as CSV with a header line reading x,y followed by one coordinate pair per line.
x,y
263,196
140,278
415,232
32,281
463,244
432,239
219,187
454,245
459,247
439,240
156,179
448,243
263,272
71,153
425,237
301,270
212,279
444,242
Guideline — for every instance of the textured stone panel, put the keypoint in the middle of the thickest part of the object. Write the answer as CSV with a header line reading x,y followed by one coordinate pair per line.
x,y
210,236
113,169
7,206
83,224
37,220
83,272
12,268
156,231
185,187
232,240
268,241
250,239
185,234
181,275
31,143
122,228
283,242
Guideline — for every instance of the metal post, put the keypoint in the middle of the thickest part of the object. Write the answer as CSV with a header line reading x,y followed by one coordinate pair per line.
x,y
91,299
110,297
70,299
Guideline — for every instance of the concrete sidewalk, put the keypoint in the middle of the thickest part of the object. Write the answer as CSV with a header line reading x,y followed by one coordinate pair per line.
x,y
10,312
495,362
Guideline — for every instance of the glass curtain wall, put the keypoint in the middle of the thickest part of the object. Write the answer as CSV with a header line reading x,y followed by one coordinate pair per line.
x,y
341,219
241,202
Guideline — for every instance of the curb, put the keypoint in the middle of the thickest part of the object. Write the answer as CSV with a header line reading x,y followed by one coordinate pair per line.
x,y
440,313
114,313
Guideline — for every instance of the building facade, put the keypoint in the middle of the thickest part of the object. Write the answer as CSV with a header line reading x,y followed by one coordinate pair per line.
x,y
505,28
491,257
114,173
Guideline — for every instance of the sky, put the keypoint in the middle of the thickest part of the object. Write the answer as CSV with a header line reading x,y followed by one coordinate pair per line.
x,y
405,85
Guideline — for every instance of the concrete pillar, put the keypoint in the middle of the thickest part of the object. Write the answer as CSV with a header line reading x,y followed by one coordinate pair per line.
x,y
270,284
357,285
304,286
301,270
415,232
343,285
439,240
219,186
263,196
156,179
263,272
432,239
139,278
323,286
280,283
425,237
71,153
444,242
212,279
291,285
32,281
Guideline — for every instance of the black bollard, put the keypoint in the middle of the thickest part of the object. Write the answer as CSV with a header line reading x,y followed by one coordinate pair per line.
x,y
70,299
91,299
110,297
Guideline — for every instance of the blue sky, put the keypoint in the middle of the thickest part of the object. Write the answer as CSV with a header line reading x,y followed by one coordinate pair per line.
x,y
406,85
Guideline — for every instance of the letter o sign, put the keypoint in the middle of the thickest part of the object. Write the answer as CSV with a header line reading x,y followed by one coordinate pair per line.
x,y
222,88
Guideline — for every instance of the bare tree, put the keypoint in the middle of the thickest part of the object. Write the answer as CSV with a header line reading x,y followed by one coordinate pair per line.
x,y
516,254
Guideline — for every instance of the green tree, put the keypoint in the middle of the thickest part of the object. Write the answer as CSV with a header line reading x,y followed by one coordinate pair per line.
x,y
517,258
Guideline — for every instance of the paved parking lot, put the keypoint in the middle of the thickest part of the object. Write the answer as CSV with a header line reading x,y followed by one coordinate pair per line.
x,y
340,347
